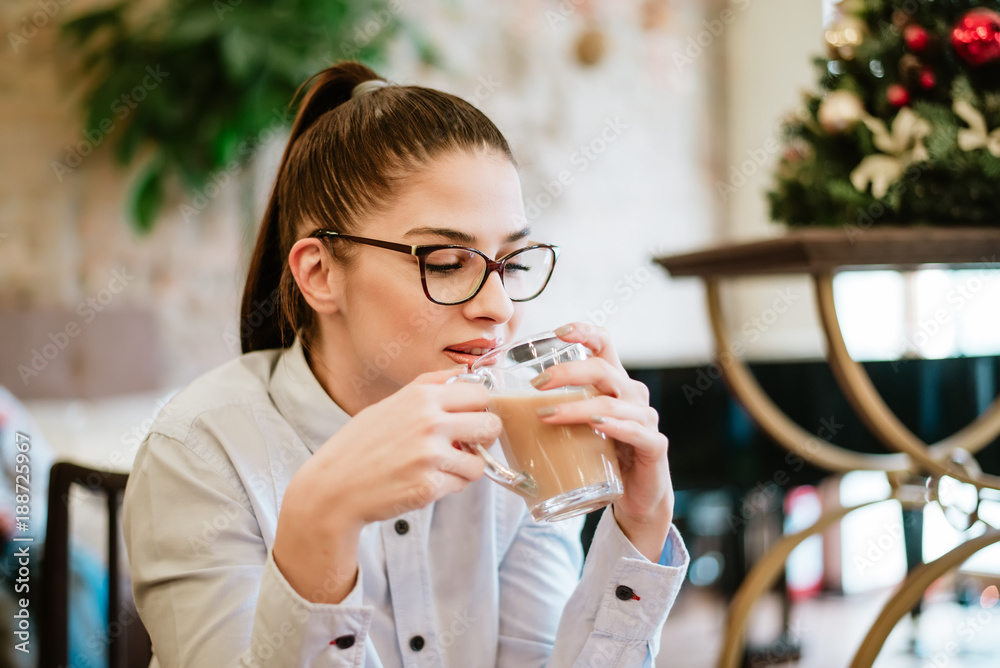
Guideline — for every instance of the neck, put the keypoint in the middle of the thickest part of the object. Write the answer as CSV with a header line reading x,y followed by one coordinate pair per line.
x,y
339,373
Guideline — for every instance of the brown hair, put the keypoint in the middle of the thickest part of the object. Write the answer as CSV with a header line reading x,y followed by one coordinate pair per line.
x,y
344,159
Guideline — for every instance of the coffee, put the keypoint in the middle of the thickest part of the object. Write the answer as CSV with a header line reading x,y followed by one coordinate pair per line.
x,y
560,458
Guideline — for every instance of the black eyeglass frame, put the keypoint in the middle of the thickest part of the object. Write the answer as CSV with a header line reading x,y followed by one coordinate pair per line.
x,y
422,251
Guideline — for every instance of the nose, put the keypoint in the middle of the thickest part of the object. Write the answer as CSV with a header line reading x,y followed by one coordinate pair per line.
x,y
492,301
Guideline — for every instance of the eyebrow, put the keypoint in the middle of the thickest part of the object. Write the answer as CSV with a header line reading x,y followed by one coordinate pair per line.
x,y
463,237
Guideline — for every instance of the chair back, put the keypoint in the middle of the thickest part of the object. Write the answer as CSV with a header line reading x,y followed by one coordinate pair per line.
x,y
127,640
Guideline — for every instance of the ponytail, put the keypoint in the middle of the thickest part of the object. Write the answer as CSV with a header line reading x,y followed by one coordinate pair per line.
x,y
267,313
343,161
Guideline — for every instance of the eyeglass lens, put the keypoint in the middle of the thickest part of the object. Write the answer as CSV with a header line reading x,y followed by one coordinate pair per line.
x,y
454,274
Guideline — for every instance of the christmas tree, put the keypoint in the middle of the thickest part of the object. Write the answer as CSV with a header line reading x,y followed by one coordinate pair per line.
x,y
905,126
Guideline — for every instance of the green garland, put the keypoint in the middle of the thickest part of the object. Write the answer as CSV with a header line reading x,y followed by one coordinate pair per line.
x,y
940,183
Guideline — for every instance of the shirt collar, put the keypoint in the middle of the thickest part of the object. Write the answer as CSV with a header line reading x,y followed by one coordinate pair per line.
x,y
301,400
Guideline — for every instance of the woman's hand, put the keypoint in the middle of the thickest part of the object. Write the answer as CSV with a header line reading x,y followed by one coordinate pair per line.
x,y
394,456
622,412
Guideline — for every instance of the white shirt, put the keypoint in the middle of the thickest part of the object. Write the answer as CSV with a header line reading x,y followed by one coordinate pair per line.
x,y
472,575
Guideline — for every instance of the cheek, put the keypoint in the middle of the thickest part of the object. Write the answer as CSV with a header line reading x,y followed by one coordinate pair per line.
x,y
516,319
380,291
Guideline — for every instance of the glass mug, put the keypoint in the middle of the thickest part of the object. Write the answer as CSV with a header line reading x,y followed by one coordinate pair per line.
x,y
559,470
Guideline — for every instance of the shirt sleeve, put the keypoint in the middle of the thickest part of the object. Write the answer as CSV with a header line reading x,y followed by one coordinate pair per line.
x,y
613,616
205,584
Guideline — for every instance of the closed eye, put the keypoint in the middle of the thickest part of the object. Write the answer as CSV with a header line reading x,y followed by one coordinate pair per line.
x,y
514,267
443,268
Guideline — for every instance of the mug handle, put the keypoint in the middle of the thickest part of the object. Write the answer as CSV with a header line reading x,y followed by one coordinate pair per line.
x,y
521,484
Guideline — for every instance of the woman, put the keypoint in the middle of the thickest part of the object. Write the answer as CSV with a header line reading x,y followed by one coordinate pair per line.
x,y
309,504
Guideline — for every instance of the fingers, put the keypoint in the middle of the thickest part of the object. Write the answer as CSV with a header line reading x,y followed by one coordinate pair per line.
x,y
434,485
431,390
575,412
472,428
648,445
595,338
599,373
439,377
464,465
623,421
460,397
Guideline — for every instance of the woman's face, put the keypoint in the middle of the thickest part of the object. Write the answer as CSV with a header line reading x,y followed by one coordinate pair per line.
x,y
386,331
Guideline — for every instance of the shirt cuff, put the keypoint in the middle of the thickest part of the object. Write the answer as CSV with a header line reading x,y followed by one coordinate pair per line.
x,y
291,631
639,594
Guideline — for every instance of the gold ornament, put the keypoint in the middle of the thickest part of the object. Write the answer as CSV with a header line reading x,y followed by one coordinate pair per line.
x,y
840,111
910,69
845,35
900,19
591,46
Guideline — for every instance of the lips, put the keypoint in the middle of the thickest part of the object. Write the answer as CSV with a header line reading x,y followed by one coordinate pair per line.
x,y
468,352
472,351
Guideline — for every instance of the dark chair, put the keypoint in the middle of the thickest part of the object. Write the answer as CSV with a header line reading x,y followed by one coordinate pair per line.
x,y
128,642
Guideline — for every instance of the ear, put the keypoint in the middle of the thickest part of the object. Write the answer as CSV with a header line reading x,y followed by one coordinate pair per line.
x,y
317,275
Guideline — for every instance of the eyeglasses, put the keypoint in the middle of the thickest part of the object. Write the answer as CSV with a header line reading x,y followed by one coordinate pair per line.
x,y
455,274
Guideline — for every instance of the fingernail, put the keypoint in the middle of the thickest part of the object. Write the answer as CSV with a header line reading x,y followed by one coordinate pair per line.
x,y
546,411
597,419
541,379
564,330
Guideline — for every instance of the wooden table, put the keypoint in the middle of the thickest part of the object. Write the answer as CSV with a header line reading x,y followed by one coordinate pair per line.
x,y
821,253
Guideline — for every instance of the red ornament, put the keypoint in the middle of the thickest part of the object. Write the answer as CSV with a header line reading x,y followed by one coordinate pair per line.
x,y
897,95
976,36
927,78
916,37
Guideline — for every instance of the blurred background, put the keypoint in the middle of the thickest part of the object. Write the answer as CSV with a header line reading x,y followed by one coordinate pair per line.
x,y
129,204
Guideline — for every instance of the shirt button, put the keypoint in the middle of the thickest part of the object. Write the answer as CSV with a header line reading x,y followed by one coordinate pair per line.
x,y
417,643
343,642
402,526
624,593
